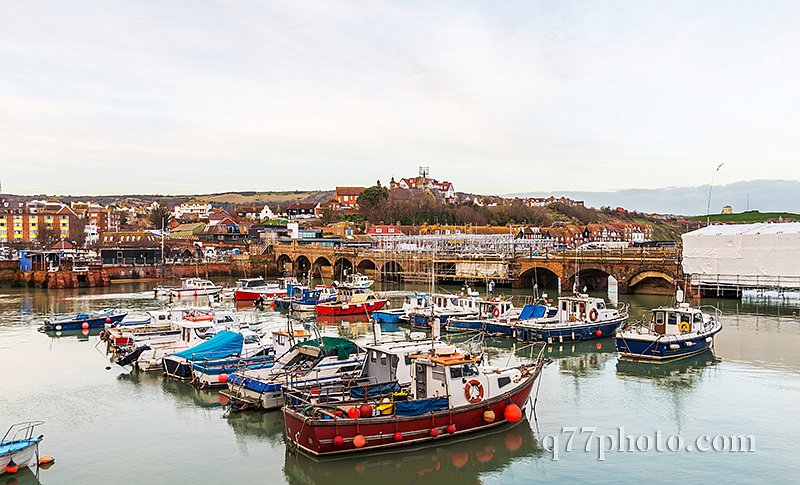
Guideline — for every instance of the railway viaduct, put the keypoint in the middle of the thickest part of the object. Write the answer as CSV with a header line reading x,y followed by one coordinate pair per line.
x,y
637,270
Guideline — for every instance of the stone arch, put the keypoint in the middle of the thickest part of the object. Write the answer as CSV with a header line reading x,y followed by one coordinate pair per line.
x,y
392,271
284,263
543,277
302,265
341,268
366,265
651,282
322,268
593,279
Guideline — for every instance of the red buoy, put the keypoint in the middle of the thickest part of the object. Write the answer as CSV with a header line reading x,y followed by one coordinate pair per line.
x,y
353,413
359,440
512,413
365,410
108,319
599,333
451,429
338,440
12,467
434,432
223,378
85,325
398,436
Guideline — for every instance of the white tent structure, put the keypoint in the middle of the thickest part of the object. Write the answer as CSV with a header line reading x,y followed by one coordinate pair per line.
x,y
765,255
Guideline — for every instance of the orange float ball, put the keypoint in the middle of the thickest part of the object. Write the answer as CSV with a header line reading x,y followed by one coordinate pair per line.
x,y
223,378
365,410
451,429
359,440
353,413
434,432
599,333
512,413
12,467
85,325
398,436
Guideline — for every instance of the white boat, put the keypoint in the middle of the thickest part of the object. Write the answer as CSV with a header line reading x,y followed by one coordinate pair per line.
x,y
18,446
190,287
320,360
355,281
577,317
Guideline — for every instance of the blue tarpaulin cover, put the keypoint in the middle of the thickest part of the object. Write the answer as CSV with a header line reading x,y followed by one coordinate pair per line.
x,y
223,344
374,390
532,311
421,406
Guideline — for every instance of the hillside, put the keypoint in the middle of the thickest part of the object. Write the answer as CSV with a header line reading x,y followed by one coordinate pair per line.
x,y
750,217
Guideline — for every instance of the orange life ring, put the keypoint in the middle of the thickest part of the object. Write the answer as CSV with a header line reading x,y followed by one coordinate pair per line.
x,y
593,315
496,312
468,391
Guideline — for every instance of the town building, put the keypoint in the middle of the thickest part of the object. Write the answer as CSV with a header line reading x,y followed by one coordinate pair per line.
x,y
302,210
192,211
25,224
425,183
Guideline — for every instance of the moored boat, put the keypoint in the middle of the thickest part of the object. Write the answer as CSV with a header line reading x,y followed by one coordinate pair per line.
x,y
672,333
451,395
18,446
414,302
84,321
487,310
578,317
251,289
222,347
351,302
189,287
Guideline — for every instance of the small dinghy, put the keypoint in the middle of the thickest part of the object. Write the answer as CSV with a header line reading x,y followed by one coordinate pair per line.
x,y
19,446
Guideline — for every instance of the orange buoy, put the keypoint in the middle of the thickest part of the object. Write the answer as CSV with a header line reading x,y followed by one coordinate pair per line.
x,y
451,428
338,440
488,415
512,413
599,333
353,413
85,325
365,410
46,460
398,436
222,400
434,432
359,440
108,319
12,467
223,378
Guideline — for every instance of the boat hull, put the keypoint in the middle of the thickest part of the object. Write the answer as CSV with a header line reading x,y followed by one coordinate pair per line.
x,y
388,316
254,294
573,333
316,436
633,347
22,454
350,308
74,324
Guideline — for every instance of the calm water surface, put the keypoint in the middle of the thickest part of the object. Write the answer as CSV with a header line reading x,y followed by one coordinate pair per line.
x,y
110,426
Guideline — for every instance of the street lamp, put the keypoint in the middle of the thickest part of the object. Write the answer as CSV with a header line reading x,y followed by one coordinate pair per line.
x,y
710,186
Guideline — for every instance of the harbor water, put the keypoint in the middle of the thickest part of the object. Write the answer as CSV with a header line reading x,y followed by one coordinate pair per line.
x,y
597,419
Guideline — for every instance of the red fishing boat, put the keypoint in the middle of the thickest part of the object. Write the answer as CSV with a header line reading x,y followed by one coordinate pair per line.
x,y
449,395
352,302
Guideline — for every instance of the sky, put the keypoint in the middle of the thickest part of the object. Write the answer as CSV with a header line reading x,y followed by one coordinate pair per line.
x,y
179,97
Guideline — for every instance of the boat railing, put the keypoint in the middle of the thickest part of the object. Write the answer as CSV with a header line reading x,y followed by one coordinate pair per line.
x,y
311,394
21,431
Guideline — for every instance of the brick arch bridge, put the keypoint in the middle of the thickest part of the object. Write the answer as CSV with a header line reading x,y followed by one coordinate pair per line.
x,y
639,270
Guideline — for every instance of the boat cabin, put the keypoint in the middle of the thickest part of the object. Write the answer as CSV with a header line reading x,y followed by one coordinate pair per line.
x,y
393,361
448,373
416,301
250,283
282,340
582,308
196,284
676,320
493,308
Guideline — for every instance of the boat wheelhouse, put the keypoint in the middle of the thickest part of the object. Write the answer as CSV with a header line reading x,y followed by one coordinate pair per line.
x,y
356,281
446,306
450,395
310,298
487,310
672,333
578,317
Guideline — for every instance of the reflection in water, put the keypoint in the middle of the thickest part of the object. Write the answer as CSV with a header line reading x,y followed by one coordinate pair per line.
x,y
451,462
25,476
683,373
581,359
259,425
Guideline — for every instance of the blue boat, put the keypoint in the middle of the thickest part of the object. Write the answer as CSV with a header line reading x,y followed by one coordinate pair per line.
x,y
83,320
576,318
223,350
310,298
18,446
672,333
394,315
411,303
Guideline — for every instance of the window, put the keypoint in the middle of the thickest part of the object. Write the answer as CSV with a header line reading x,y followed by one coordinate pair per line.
x,y
383,359
503,381
698,318
672,319
373,357
658,317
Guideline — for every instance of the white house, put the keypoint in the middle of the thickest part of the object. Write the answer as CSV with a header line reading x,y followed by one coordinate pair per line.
x,y
198,209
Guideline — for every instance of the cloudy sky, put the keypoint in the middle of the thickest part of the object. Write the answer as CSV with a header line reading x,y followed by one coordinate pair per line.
x,y
497,96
